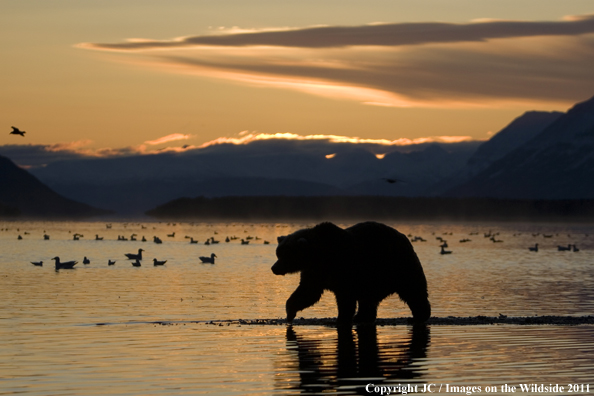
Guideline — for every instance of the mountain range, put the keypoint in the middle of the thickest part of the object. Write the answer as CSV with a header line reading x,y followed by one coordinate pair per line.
x,y
539,155
23,194
556,163
132,185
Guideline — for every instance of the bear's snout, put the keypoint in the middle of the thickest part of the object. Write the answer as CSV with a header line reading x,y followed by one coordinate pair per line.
x,y
277,270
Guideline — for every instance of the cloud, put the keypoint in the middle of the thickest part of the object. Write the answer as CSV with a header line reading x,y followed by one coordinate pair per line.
x,y
483,63
254,137
38,155
388,34
167,139
32,156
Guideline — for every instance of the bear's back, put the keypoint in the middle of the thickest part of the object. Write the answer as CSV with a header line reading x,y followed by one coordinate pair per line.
x,y
383,248
380,236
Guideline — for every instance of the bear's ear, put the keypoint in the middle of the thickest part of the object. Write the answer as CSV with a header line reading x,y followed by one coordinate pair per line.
x,y
280,239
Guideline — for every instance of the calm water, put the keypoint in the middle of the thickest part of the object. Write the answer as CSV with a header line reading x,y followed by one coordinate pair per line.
x,y
121,330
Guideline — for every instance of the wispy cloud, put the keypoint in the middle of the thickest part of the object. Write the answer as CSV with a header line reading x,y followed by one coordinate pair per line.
x,y
36,155
166,139
385,34
481,63
254,137
39,155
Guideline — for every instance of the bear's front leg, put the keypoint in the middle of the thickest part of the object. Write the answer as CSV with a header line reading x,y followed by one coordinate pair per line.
x,y
347,304
302,297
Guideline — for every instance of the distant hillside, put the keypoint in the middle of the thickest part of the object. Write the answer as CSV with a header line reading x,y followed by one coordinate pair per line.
x,y
517,133
135,197
415,173
539,155
8,211
258,186
132,185
20,191
557,163
373,208
514,135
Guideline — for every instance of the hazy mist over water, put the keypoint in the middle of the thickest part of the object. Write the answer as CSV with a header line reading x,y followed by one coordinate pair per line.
x,y
121,330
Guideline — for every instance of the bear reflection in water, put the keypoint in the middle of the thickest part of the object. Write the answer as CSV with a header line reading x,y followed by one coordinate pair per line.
x,y
361,265
349,362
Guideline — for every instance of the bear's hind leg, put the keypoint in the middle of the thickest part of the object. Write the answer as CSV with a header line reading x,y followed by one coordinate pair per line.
x,y
347,304
367,312
303,297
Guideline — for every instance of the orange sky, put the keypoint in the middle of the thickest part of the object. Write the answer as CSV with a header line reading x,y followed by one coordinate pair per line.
x,y
76,74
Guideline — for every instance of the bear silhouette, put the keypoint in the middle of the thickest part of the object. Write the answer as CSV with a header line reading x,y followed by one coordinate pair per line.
x,y
361,265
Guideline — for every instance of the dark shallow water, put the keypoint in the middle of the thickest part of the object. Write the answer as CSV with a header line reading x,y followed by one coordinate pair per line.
x,y
123,330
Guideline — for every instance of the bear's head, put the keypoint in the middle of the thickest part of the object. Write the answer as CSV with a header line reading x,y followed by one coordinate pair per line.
x,y
293,253
311,248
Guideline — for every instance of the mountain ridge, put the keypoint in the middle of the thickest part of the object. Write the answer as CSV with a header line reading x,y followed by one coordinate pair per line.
x,y
313,168
538,155
557,163
25,193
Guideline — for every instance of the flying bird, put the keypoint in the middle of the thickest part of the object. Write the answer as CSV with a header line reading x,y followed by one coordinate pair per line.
x,y
17,131
391,180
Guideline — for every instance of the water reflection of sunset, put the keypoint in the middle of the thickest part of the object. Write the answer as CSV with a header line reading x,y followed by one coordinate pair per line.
x,y
148,329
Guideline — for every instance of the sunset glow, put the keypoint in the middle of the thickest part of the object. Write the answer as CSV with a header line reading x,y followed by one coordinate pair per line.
x,y
252,137
364,63
164,165
185,76
167,139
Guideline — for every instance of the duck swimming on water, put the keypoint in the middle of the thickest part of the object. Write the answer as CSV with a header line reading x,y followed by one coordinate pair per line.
x,y
64,265
132,256
208,260
157,262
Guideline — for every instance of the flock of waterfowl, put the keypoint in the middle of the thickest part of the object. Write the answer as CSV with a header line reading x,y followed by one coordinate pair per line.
x,y
493,238
70,264
156,239
136,258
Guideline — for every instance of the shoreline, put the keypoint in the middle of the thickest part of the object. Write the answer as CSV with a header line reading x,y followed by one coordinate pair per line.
x,y
479,320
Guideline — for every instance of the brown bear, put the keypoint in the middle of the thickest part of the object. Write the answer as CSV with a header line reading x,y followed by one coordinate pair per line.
x,y
362,265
